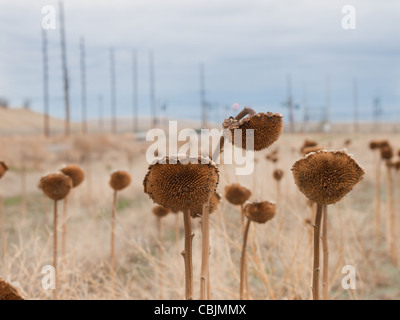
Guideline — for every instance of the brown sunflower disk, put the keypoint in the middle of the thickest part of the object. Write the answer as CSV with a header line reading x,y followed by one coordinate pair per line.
x,y
8,292
267,129
181,186
214,202
260,212
120,180
308,150
160,211
56,186
278,174
387,153
237,194
3,168
325,177
75,173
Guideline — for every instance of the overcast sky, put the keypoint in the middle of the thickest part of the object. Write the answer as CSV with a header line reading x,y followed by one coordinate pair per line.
x,y
248,48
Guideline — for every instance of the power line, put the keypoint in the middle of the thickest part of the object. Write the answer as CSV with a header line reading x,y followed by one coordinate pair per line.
x,y
355,102
101,113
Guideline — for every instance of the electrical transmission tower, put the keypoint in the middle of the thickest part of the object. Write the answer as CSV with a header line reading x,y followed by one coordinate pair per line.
x,y
355,105
290,103
83,85
113,93
135,124
45,84
64,69
153,104
203,97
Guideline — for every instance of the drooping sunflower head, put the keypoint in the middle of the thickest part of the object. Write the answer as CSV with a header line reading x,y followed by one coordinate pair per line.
x,y
325,177
267,128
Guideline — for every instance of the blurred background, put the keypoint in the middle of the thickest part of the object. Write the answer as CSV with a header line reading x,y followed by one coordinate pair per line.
x,y
199,61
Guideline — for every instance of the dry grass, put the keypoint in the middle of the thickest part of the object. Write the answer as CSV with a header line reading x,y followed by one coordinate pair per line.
x,y
279,257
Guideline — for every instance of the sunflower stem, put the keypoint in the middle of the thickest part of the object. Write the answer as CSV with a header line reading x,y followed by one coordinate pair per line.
x,y
187,256
377,201
64,229
325,271
112,258
243,263
316,267
159,242
205,240
55,243
391,223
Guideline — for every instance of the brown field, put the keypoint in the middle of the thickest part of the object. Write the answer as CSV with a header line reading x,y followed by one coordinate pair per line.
x,y
279,252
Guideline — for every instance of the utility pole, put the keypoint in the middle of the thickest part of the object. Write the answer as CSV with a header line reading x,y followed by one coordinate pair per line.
x,y
83,85
328,100
113,93
101,113
203,96
152,90
64,69
290,102
355,101
45,84
376,111
135,92
305,107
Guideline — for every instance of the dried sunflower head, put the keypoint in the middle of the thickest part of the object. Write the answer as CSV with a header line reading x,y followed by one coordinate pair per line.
x,y
260,212
325,177
237,194
160,211
374,144
181,183
384,144
214,202
267,129
273,156
75,173
56,186
308,144
307,150
8,292
386,153
3,168
278,174
120,180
